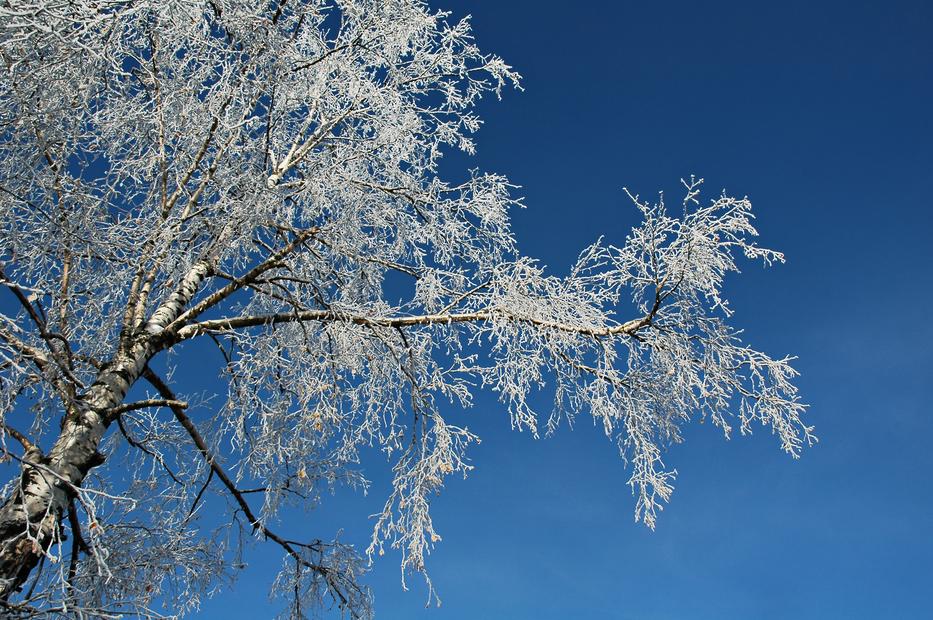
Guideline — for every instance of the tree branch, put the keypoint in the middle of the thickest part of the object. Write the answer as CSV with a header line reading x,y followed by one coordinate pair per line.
x,y
27,444
237,495
77,543
36,356
143,404
63,345
270,263
629,328
142,447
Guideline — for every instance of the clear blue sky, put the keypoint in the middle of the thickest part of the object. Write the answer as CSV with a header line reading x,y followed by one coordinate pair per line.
x,y
821,113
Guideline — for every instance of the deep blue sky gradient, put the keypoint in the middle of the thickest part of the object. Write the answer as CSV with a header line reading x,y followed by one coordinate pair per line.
x,y
821,113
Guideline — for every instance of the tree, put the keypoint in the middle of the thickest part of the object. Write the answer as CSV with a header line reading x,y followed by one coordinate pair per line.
x,y
263,178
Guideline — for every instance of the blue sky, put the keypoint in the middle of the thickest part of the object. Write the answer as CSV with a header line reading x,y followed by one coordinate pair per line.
x,y
821,113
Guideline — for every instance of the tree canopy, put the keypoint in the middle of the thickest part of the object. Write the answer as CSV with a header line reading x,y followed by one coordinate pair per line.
x,y
265,177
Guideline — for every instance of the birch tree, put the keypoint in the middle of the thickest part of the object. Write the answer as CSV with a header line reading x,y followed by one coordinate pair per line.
x,y
262,178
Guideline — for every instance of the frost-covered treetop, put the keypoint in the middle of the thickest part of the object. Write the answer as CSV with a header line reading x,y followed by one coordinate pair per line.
x,y
264,177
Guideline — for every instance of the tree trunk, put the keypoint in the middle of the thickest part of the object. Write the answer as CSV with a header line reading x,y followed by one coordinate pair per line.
x,y
30,519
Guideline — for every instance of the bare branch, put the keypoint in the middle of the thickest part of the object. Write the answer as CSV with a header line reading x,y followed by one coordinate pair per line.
x,y
237,495
143,404
24,441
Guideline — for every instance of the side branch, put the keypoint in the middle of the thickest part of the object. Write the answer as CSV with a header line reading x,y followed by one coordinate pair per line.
x,y
629,328
235,492
270,263
18,436
143,404
36,356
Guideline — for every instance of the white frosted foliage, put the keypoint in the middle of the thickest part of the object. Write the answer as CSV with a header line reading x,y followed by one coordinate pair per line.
x,y
258,184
